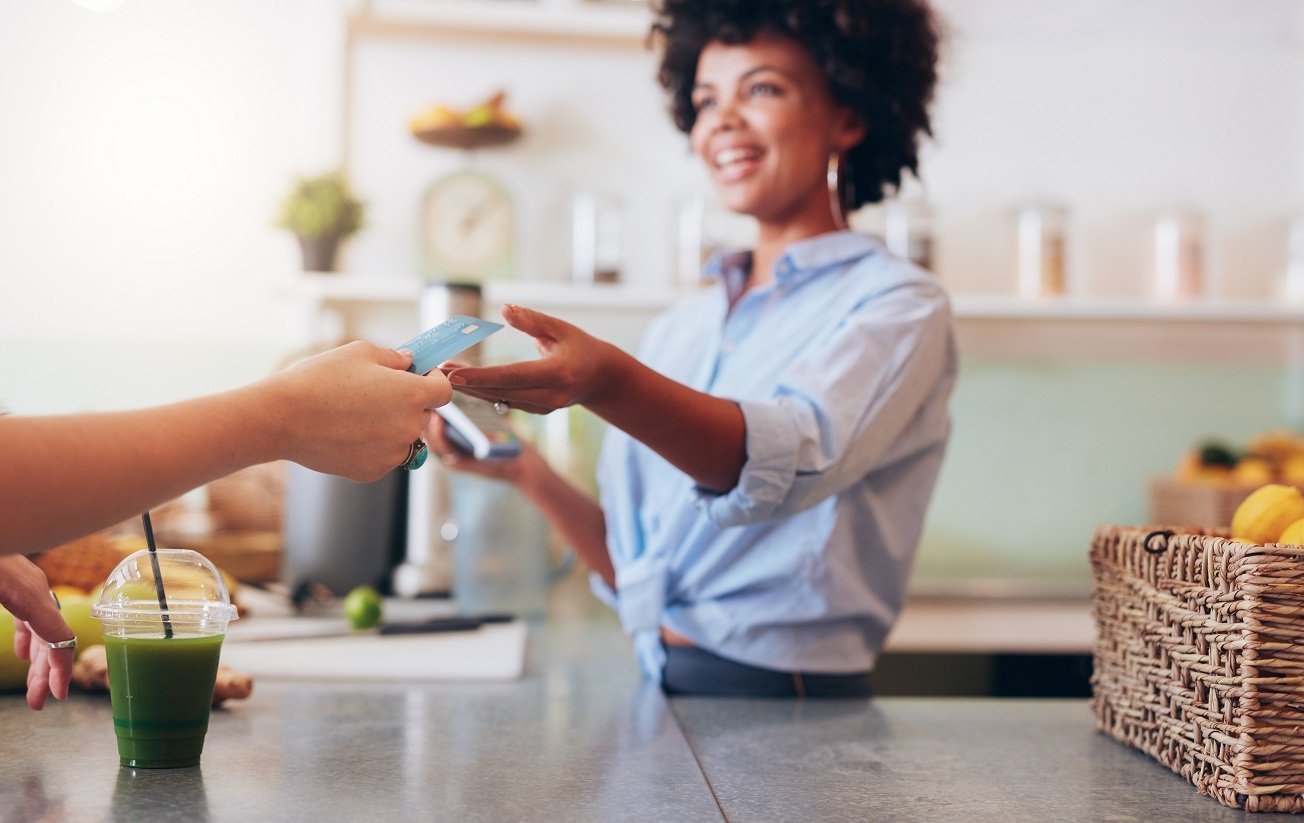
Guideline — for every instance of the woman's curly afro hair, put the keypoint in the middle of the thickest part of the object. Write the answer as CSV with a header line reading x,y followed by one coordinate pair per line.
x,y
880,58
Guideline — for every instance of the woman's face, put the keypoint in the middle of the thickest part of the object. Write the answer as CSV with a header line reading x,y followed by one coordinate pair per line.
x,y
766,126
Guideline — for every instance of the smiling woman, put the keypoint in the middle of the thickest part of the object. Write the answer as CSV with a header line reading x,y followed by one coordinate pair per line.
x,y
748,101
875,62
775,445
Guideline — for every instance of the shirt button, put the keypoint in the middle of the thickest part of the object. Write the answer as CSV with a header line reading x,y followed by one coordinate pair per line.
x,y
727,348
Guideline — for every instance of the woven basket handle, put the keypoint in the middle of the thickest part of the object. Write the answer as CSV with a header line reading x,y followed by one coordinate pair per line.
x,y
1147,544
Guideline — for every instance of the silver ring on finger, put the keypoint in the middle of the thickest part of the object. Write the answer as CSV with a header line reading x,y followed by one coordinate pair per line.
x,y
416,456
64,644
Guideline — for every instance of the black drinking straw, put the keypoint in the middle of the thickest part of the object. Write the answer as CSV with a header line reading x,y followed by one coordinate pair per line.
x,y
158,575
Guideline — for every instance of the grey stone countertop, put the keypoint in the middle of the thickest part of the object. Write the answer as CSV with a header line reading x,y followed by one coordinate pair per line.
x,y
582,738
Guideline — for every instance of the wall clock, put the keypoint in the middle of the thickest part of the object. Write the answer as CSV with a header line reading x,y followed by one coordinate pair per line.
x,y
468,228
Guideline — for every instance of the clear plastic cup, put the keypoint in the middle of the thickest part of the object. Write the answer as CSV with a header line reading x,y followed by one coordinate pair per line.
x,y
163,660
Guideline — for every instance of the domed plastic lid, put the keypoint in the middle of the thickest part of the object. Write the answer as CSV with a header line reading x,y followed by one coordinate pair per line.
x,y
194,596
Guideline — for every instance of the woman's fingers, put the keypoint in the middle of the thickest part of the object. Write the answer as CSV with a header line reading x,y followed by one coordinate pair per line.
x,y
534,401
531,374
538,325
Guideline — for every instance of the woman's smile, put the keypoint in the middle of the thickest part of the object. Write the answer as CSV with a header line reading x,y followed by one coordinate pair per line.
x,y
766,126
732,163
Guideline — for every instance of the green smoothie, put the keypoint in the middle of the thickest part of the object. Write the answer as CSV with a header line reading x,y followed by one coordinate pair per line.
x,y
162,690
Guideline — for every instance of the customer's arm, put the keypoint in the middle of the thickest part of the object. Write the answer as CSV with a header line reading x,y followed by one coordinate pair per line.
x,y
352,411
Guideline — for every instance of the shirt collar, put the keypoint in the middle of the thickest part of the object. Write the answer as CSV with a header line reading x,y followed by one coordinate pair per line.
x,y
821,252
811,254
727,260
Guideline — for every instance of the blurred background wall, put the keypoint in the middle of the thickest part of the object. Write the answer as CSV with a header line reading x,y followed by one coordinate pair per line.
x,y
143,153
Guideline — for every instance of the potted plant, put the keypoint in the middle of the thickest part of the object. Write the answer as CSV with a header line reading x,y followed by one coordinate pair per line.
x,y
322,211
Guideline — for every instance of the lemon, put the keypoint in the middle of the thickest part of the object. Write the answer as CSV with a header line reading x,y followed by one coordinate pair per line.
x,y
362,607
1293,534
1292,471
1265,514
1253,471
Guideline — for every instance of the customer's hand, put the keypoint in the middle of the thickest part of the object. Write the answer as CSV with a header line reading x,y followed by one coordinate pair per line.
x,y
25,593
574,368
354,410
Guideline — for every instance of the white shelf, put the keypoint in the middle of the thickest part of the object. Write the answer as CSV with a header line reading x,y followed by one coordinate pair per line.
x,y
998,307
337,289
331,287
357,288
548,20
570,296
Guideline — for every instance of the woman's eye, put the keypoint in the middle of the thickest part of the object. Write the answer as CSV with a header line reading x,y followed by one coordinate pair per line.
x,y
763,90
702,103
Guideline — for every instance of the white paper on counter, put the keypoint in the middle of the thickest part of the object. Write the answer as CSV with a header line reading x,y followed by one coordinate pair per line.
x,y
493,652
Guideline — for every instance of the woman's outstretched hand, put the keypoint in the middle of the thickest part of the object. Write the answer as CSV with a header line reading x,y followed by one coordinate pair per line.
x,y
702,435
574,368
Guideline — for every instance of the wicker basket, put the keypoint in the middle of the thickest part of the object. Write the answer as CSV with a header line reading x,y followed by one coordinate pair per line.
x,y
1195,504
1199,659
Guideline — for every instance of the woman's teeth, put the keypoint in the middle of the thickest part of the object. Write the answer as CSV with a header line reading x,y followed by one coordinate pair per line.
x,y
731,156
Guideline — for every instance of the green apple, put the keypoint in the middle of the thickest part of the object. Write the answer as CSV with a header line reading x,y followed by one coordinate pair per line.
x,y
13,672
76,610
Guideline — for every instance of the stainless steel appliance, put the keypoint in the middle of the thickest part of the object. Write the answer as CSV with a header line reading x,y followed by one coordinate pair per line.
x,y
340,534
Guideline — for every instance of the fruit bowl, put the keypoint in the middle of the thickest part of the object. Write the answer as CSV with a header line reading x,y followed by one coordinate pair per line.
x,y
485,125
468,137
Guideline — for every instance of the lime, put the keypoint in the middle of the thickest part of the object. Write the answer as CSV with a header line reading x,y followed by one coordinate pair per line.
x,y
362,607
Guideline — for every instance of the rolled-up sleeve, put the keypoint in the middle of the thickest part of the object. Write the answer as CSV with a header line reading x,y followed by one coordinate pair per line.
x,y
854,403
772,439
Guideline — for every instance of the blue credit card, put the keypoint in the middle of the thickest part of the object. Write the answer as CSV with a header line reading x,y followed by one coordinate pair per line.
x,y
456,334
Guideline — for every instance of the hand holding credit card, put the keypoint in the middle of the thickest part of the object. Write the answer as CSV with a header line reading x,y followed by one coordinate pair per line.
x,y
451,337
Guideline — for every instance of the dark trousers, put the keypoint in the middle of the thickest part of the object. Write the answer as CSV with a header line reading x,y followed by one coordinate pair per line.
x,y
693,671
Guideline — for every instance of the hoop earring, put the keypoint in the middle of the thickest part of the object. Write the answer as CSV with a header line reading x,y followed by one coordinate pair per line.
x,y
834,180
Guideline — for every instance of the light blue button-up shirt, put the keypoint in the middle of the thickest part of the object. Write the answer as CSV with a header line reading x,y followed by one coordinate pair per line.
x,y
842,368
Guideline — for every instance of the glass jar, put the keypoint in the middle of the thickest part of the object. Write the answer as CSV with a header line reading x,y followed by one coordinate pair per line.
x,y
690,246
1040,258
704,228
908,232
1292,281
597,238
1178,256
